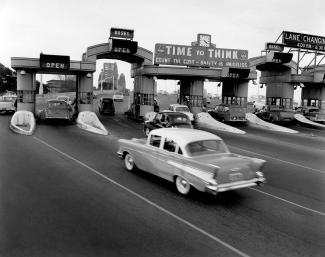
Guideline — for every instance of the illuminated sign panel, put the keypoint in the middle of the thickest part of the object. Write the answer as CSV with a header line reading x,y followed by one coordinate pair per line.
x,y
278,57
122,33
304,41
200,56
54,62
234,73
123,46
274,47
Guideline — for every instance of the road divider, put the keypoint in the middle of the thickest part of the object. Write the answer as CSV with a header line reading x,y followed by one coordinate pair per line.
x,y
23,122
89,121
301,118
205,120
253,119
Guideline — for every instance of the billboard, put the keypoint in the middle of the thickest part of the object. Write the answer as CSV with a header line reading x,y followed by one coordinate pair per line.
x,y
199,56
304,41
122,33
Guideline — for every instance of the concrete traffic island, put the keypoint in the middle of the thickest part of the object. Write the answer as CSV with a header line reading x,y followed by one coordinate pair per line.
x,y
253,119
23,122
303,119
89,121
205,120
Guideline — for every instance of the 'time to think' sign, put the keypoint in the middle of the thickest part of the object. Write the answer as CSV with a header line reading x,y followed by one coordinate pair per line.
x,y
200,56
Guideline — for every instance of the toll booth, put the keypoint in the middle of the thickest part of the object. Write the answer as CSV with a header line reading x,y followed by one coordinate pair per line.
x,y
235,86
27,68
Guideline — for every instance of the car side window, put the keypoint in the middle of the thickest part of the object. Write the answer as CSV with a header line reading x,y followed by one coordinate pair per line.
x,y
179,151
169,145
155,140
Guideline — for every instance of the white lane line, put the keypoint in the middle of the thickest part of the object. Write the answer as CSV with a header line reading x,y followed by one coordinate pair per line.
x,y
216,239
284,200
267,156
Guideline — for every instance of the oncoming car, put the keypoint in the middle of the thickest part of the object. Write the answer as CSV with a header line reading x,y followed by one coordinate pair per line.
x,y
191,158
183,109
118,97
65,98
167,119
56,109
106,105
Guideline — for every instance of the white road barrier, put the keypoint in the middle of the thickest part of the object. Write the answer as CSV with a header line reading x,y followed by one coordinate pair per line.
x,y
253,119
204,120
89,121
23,122
303,119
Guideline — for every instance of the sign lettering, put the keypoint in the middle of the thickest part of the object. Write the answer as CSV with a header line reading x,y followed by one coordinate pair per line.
x,y
122,33
274,47
169,54
305,41
54,62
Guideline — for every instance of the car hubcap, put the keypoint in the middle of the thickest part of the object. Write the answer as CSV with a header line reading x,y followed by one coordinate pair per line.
x,y
182,185
129,162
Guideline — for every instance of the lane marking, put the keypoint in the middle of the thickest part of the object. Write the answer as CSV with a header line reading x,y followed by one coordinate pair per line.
x,y
214,238
284,200
267,156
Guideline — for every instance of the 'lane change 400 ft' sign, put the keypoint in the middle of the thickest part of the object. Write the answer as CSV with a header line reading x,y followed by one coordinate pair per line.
x,y
304,41
182,55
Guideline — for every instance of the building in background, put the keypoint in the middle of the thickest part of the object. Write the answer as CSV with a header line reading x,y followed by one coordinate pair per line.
x,y
108,77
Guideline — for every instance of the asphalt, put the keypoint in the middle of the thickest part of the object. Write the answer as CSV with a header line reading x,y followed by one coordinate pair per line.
x,y
64,192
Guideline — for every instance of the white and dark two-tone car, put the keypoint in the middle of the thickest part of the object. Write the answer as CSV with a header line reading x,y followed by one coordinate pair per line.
x,y
191,158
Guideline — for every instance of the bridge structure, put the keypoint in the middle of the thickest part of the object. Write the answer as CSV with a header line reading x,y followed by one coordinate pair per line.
x,y
192,65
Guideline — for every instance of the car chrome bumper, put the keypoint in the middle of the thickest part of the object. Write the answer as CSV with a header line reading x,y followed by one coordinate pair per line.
x,y
120,154
214,189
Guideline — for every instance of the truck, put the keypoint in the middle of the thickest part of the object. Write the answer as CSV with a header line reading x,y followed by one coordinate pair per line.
x,y
229,113
277,114
7,103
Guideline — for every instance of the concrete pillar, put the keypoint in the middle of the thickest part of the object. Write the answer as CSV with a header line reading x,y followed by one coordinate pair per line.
x,y
191,94
143,95
85,92
235,91
26,87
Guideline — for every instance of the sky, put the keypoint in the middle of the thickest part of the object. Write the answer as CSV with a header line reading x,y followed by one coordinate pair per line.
x,y
68,27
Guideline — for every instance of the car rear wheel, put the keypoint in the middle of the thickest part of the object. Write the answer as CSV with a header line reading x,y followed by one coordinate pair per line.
x,y
182,185
129,162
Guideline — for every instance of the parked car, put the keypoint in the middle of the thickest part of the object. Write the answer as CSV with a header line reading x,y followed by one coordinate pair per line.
x,y
229,113
167,119
277,114
106,105
118,97
7,103
312,113
183,109
56,109
65,98
191,158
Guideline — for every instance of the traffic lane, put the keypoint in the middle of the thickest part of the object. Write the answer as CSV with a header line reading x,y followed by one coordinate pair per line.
x,y
300,149
231,216
288,160
52,205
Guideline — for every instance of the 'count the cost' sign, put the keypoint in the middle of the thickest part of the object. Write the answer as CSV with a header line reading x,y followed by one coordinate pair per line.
x,y
200,56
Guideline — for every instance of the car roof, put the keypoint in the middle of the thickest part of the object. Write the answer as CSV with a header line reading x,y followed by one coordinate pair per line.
x,y
170,113
178,105
56,101
183,136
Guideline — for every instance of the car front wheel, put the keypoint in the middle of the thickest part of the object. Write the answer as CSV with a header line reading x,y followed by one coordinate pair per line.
x,y
129,162
182,185
147,131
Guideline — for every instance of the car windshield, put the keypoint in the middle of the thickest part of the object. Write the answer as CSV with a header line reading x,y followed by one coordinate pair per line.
x,y
177,119
205,147
182,109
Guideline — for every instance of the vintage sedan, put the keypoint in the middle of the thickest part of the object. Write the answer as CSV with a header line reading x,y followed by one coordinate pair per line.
x,y
167,119
56,109
191,158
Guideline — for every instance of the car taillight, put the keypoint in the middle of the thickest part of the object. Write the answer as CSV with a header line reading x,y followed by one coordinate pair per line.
x,y
216,172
